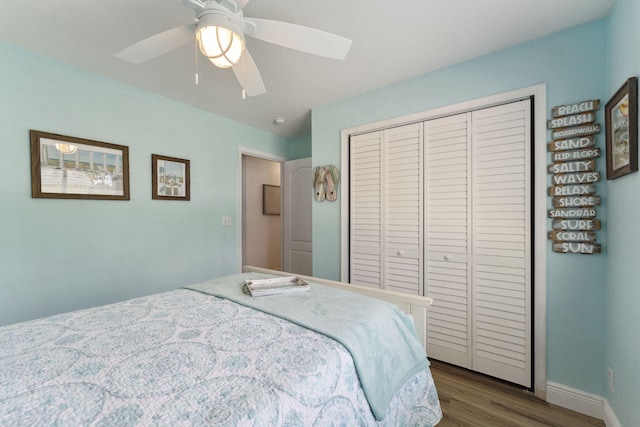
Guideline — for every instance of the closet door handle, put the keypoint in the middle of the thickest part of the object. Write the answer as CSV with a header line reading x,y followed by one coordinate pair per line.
x,y
400,253
447,257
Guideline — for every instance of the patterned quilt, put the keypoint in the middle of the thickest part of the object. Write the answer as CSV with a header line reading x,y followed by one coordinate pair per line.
x,y
186,358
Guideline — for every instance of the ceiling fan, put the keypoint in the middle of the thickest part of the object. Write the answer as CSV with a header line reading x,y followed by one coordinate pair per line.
x,y
220,28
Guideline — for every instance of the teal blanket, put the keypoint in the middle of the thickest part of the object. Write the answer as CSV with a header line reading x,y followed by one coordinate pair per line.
x,y
380,337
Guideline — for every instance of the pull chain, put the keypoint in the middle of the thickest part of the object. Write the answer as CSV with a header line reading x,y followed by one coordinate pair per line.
x,y
196,59
244,92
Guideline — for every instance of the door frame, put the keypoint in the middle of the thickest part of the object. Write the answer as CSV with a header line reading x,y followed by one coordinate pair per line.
x,y
245,151
539,264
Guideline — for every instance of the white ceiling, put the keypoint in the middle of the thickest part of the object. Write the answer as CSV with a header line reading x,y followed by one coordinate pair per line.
x,y
392,41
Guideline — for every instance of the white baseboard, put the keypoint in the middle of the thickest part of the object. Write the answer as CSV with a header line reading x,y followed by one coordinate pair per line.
x,y
585,403
577,400
610,419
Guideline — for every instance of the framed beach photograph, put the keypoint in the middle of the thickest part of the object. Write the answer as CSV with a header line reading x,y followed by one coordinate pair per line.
x,y
170,178
66,167
621,120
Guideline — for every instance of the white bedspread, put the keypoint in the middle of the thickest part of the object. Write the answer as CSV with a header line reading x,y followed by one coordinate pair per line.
x,y
186,358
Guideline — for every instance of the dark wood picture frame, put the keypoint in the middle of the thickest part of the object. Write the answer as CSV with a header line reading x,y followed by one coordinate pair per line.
x,y
270,199
66,167
170,178
621,120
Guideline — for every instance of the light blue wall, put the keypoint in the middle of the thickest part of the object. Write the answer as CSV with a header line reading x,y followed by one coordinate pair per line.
x,y
300,147
61,255
571,64
622,341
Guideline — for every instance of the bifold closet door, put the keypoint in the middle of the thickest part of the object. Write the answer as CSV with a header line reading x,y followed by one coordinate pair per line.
x,y
366,207
502,242
478,240
403,209
386,209
448,238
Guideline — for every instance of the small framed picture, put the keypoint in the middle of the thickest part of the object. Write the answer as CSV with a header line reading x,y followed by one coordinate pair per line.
x,y
621,119
170,178
270,199
66,167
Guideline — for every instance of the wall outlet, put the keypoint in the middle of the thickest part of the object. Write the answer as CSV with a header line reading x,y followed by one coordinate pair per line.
x,y
610,379
226,221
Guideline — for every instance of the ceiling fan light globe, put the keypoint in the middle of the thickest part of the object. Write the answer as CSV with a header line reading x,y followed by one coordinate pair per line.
x,y
220,35
222,46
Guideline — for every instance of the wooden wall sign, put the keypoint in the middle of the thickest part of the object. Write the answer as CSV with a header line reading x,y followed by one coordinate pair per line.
x,y
576,201
572,190
576,178
581,166
576,224
572,143
573,236
576,248
564,156
572,213
578,119
576,131
580,107
574,174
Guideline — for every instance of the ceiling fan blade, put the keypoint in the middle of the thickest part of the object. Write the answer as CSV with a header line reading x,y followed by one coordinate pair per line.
x,y
232,5
300,38
248,75
196,5
157,45
242,3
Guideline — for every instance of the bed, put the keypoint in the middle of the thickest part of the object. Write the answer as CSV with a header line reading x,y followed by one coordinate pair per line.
x,y
208,354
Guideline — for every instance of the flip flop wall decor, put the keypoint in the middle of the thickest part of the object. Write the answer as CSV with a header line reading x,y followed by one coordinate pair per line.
x,y
318,183
332,177
325,183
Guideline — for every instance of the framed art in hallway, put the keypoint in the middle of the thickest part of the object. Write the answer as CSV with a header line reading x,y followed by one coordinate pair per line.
x,y
621,119
170,178
66,167
270,199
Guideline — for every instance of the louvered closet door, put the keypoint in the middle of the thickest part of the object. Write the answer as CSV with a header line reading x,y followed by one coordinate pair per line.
x,y
501,243
447,183
477,234
403,214
366,209
386,209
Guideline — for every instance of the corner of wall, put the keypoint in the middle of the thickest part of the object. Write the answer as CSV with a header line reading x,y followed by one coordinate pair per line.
x,y
576,400
610,419
585,403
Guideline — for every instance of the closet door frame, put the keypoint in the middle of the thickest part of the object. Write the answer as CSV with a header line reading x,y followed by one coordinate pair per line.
x,y
538,92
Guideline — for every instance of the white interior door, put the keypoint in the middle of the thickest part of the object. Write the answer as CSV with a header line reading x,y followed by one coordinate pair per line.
x,y
297,194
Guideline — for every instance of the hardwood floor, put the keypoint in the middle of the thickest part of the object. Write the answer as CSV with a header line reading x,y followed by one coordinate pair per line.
x,y
475,400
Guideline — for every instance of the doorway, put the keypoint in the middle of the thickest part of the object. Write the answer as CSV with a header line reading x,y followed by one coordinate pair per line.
x,y
278,242
261,212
